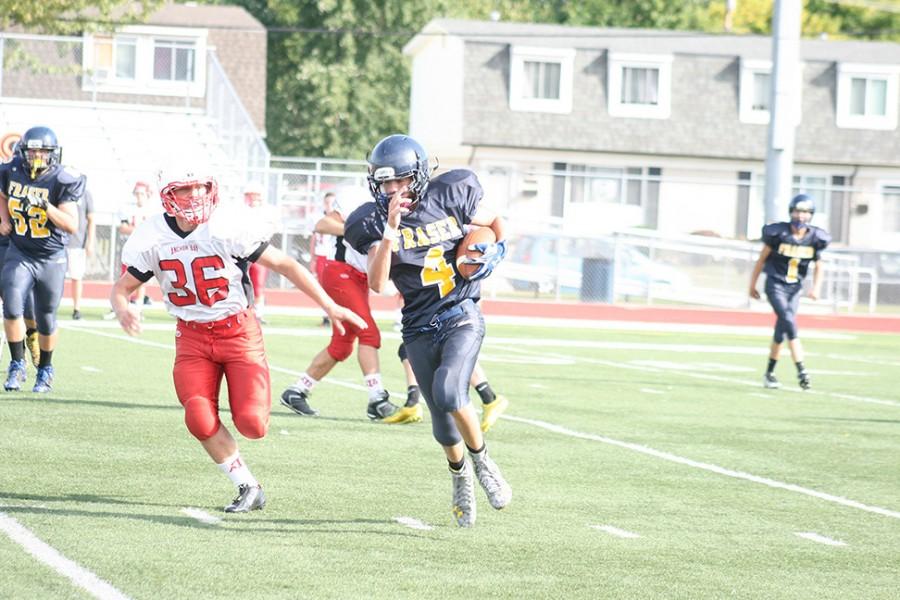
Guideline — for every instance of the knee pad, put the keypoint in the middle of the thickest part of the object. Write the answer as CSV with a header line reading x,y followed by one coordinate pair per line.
x,y
370,336
340,350
447,395
444,430
46,323
401,352
251,425
201,418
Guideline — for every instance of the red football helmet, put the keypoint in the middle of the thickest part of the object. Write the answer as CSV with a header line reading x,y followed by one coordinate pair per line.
x,y
196,207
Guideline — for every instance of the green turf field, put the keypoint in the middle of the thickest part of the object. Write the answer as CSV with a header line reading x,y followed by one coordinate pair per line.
x,y
668,437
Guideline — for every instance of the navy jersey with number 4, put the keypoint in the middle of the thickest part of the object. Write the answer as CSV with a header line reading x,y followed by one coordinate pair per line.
x,y
790,257
424,257
33,233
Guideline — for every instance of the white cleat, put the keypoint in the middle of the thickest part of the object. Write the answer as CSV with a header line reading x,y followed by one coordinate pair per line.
x,y
488,473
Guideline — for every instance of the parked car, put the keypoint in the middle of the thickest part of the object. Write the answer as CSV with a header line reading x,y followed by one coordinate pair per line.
x,y
541,262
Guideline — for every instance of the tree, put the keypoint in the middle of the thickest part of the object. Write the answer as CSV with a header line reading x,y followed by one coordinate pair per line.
x,y
70,16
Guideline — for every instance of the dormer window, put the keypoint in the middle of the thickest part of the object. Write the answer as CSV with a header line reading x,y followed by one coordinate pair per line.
x,y
867,96
540,79
640,85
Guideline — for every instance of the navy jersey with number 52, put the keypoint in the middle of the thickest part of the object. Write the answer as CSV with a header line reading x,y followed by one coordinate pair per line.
x,y
33,233
423,263
790,257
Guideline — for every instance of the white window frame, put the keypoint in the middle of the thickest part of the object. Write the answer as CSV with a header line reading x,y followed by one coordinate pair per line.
x,y
846,72
143,82
749,68
617,61
518,56
882,186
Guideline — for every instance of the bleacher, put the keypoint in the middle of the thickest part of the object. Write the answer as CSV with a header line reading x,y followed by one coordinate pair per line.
x,y
118,144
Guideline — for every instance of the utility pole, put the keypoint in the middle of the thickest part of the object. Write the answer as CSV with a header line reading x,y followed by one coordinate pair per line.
x,y
784,106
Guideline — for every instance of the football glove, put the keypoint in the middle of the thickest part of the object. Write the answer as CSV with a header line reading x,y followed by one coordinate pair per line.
x,y
35,201
491,255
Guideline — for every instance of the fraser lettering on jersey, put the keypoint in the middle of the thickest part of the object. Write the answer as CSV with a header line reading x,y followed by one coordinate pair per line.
x,y
795,251
31,192
432,233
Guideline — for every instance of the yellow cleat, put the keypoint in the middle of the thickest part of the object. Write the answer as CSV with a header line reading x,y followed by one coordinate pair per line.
x,y
492,412
31,343
405,414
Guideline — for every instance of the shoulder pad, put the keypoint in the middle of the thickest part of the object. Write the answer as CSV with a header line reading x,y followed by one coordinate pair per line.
x,y
362,227
68,175
457,178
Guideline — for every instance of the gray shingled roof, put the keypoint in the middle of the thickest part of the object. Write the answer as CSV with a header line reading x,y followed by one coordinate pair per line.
x,y
662,41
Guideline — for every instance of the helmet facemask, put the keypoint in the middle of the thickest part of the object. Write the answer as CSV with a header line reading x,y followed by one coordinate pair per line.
x,y
195,208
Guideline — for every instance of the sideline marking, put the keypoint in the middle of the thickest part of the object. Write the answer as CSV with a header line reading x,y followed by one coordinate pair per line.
x,y
200,515
56,561
820,539
615,531
706,466
413,523
627,445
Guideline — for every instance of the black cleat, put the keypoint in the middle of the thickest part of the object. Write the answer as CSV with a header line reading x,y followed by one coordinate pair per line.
x,y
248,498
298,402
76,315
803,379
381,408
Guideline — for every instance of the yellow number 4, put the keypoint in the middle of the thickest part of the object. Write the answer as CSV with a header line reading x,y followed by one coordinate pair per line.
x,y
437,271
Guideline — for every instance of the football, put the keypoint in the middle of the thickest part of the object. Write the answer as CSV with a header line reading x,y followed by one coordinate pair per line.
x,y
477,235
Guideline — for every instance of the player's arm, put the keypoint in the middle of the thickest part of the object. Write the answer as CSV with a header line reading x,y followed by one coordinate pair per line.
x,y
331,224
5,219
303,280
486,217
64,216
757,269
129,319
818,276
379,258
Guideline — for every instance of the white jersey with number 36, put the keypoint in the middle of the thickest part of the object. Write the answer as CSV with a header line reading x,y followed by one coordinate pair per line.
x,y
199,274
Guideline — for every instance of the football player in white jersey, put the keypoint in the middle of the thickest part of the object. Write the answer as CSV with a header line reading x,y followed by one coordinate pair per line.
x,y
199,257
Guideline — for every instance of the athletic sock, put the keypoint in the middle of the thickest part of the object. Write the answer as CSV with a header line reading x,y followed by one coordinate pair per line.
x,y
373,384
413,395
305,383
17,350
477,453
800,368
237,471
771,367
456,467
487,394
46,358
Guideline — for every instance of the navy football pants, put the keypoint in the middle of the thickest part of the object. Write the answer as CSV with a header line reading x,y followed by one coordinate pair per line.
x,y
785,300
443,359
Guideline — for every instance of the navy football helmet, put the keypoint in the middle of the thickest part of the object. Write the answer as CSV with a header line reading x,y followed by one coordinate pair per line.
x,y
39,150
397,157
802,202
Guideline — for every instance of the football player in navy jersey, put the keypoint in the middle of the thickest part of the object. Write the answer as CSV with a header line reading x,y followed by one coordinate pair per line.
x,y
39,199
789,248
410,234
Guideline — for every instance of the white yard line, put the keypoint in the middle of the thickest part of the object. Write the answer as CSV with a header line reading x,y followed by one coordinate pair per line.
x,y
90,369
51,557
615,531
200,515
413,523
628,445
706,376
706,466
820,539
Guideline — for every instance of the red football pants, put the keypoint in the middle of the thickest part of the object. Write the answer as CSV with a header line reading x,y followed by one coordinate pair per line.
x,y
349,288
232,347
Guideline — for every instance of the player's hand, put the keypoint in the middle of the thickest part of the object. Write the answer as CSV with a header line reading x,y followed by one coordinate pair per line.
x,y
754,293
813,294
35,201
130,320
398,206
491,255
5,228
338,315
